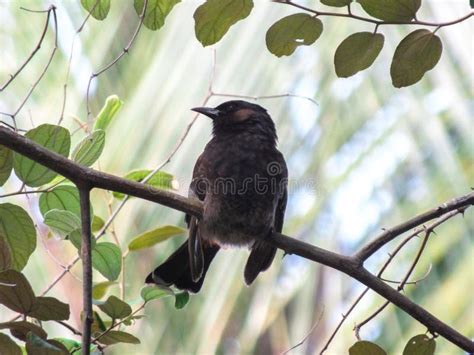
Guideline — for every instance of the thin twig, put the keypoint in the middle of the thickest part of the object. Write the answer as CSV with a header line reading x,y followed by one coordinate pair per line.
x,y
68,71
45,69
36,49
113,62
315,325
377,22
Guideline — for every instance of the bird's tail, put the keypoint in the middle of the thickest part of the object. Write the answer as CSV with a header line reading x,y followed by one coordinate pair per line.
x,y
176,270
260,259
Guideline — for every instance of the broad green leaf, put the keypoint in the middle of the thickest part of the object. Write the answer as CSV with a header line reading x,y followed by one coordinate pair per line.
x,y
160,180
391,10
154,236
115,308
154,292
54,138
156,11
363,347
336,3
8,346
420,345
116,336
97,8
89,149
50,308
18,233
63,197
357,52
20,297
292,31
39,346
21,328
5,255
181,300
97,223
75,238
62,223
100,289
416,54
107,259
214,18
6,164
107,113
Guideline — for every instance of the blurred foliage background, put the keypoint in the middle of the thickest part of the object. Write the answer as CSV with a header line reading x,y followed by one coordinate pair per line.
x,y
367,156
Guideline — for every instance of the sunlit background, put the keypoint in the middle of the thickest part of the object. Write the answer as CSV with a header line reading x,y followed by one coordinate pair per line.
x,y
366,156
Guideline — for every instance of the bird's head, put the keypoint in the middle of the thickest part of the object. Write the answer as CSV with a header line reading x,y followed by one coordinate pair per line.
x,y
239,116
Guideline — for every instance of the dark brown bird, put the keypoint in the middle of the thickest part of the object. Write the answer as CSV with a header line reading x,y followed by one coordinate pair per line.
x,y
241,177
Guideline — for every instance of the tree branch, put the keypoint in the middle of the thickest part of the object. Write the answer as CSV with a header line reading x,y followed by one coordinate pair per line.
x,y
350,265
86,256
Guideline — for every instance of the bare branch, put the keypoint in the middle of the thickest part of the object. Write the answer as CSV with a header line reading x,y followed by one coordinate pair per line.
x,y
86,256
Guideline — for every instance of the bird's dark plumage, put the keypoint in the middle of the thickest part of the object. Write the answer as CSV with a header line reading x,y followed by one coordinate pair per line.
x,y
241,178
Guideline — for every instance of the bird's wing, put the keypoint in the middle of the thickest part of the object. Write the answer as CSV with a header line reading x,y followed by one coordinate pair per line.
x,y
281,205
197,186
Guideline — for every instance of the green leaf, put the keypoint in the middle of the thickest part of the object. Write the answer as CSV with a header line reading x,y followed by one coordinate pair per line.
x,y
154,236
420,345
18,233
6,164
20,329
292,31
75,237
8,346
63,197
107,113
416,54
62,223
100,289
54,138
99,11
357,52
89,149
107,259
5,255
39,346
160,180
156,11
336,3
115,308
50,308
154,292
97,223
116,336
181,300
366,348
20,297
214,18
391,10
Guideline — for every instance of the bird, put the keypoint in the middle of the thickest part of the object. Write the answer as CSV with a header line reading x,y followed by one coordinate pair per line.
x,y
242,180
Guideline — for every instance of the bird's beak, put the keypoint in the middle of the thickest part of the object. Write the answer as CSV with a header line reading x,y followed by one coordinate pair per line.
x,y
207,111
